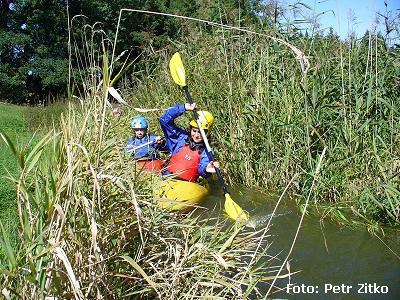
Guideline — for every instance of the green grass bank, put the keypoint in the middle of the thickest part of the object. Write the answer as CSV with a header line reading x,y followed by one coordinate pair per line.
x,y
24,125
14,124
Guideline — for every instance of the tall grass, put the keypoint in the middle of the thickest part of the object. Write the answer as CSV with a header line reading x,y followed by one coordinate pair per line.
x,y
279,122
90,226
89,223
25,125
13,122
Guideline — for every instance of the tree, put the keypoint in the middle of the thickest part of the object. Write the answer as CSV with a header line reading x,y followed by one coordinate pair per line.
x,y
34,35
33,50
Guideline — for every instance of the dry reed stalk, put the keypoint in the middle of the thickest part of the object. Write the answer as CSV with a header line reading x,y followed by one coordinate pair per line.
x,y
301,219
299,55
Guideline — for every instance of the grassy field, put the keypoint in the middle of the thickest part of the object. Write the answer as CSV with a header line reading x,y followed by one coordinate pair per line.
x,y
24,125
13,122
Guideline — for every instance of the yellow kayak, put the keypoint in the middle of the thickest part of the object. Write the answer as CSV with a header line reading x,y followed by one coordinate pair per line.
x,y
180,195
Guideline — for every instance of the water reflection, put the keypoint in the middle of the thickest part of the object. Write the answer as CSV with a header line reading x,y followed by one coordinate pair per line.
x,y
334,262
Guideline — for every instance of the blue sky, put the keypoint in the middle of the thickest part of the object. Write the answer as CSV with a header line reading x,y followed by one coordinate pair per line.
x,y
361,13
344,16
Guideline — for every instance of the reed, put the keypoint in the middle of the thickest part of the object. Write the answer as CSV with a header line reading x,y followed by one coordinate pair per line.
x,y
89,223
25,125
279,122
90,226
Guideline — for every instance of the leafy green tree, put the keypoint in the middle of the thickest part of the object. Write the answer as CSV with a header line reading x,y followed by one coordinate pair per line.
x,y
33,43
12,44
34,35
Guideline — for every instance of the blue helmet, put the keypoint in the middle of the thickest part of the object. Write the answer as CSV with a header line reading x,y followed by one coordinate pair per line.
x,y
139,122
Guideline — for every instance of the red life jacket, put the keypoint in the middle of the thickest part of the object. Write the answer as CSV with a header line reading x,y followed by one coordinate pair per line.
x,y
186,163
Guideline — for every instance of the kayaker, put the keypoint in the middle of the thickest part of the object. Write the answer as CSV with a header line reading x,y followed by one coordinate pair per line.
x,y
142,145
189,158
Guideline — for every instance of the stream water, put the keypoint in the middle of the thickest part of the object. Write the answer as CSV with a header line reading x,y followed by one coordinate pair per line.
x,y
333,262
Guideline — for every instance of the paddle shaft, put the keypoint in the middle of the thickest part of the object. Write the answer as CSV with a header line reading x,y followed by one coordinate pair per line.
x,y
209,151
143,145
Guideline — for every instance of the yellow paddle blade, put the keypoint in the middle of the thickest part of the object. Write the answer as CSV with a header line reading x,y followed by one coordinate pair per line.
x,y
177,69
233,210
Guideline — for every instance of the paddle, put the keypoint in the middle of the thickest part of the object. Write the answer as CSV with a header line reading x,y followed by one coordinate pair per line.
x,y
233,210
141,146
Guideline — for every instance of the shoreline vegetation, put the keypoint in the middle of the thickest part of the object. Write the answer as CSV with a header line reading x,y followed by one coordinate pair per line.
x,y
89,225
24,125
279,130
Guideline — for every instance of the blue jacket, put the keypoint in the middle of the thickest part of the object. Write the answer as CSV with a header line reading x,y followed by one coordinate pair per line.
x,y
176,136
145,151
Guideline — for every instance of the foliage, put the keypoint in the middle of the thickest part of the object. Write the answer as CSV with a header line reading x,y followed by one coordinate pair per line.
x,y
35,60
11,78
34,36
11,121
90,226
279,123
24,125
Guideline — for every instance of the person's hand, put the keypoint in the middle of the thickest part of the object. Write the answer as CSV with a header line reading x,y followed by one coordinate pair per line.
x,y
211,166
189,106
159,139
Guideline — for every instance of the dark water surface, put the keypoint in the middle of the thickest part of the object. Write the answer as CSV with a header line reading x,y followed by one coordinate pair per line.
x,y
334,262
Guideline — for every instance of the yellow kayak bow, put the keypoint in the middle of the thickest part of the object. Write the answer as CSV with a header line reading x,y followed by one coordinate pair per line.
x,y
233,210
